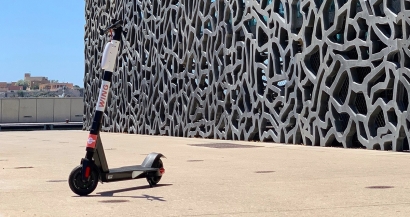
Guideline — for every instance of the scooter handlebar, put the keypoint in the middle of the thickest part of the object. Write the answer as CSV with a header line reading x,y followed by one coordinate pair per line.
x,y
116,24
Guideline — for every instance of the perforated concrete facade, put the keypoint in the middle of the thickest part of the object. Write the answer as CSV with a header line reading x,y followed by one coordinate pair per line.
x,y
317,72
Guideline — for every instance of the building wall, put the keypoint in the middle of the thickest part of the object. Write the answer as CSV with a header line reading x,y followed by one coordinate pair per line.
x,y
3,85
41,110
55,86
322,73
13,87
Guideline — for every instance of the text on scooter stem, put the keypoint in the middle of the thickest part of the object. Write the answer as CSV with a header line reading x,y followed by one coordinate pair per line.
x,y
102,98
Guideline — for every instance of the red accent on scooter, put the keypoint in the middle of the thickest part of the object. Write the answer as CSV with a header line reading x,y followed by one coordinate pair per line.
x,y
87,172
91,141
162,170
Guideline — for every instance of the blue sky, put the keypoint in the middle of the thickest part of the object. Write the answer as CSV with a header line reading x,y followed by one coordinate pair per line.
x,y
44,38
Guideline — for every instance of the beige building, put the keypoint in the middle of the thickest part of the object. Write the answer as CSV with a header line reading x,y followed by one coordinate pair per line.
x,y
55,86
35,81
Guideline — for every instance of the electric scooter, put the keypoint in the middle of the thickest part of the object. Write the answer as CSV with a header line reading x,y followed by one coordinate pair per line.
x,y
93,167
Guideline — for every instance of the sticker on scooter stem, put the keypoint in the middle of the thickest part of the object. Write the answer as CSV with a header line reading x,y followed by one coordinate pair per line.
x,y
102,97
91,141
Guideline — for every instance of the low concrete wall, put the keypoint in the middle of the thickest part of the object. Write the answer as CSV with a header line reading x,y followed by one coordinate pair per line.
x,y
41,110
10,110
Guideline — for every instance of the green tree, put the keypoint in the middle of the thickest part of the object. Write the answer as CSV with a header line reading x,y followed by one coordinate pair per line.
x,y
23,83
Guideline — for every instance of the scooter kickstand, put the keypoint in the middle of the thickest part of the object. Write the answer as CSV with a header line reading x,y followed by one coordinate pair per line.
x,y
150,183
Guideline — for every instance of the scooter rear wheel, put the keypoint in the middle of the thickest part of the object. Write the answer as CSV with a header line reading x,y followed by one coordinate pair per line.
x,y
80,187
154,180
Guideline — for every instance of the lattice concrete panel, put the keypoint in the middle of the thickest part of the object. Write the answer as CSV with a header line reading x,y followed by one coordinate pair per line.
x,y
317,72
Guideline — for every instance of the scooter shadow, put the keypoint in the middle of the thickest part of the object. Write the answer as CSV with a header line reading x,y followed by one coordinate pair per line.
x,y
143,196
111,193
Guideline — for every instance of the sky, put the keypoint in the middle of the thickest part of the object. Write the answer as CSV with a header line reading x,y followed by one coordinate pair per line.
x,y
44,38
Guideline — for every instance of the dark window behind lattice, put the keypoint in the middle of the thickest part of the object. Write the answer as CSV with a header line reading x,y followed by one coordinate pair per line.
x,y
315,62
344,90
318,3
360,103
356,143
343,120
387,95
361,73
402,97
380,122
394,5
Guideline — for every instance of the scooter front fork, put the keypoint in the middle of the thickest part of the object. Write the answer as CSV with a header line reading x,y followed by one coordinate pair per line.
x,y
87,166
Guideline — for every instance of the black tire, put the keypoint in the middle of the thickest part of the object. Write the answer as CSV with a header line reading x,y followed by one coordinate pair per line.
x,y
154,180
78,186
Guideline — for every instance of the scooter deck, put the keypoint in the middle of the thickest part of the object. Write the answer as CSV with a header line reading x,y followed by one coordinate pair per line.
x,y
127,173
132,168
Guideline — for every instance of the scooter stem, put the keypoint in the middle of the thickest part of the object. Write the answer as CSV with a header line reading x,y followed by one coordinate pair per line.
x,y
107,64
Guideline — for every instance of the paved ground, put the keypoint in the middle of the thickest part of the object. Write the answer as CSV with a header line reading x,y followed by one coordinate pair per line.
x,y
201,181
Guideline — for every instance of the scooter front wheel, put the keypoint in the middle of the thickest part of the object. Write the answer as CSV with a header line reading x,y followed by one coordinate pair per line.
x,y
79,186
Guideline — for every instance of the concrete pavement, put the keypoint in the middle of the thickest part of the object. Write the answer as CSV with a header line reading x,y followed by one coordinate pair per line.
x,y
272,180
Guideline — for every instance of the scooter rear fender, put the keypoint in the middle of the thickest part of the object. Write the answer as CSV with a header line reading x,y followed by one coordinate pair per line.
x,y
151,158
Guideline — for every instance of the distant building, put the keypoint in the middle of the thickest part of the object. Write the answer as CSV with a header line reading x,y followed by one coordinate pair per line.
x,y
41,83
3,87
14,87
35,81
55,86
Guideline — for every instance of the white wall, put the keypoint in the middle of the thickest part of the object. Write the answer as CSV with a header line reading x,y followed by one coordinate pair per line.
x,y
10,110
41,110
